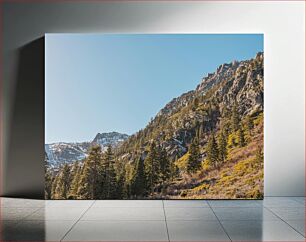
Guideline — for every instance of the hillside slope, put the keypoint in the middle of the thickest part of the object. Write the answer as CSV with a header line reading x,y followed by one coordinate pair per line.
x,y
206,143
201,109
239,176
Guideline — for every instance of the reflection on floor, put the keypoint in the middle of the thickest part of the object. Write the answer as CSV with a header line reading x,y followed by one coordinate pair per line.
x,y
274,219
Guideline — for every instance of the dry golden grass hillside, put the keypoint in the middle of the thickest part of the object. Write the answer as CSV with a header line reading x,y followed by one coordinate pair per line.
x,y
240,176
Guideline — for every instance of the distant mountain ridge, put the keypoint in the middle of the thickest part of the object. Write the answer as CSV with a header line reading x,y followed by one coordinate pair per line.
x,y
66,152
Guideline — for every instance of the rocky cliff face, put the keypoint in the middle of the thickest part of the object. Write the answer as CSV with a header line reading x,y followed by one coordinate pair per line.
x,y
240,81
106,139
176,124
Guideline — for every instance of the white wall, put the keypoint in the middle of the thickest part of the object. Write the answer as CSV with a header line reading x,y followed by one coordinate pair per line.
x,y
283,25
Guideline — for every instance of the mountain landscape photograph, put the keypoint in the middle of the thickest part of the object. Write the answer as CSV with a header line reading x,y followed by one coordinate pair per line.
x,y
154,116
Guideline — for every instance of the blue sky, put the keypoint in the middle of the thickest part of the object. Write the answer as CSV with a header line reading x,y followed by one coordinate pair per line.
x,y
107,82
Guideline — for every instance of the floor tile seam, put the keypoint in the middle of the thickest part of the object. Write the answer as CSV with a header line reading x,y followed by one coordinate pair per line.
x,y
284,206
129,207
2,207
165,217
254,220
283,196
125,220
220,223
265,209
286,223
199,220
48,206
235,207
73,225
188,207
52,203
49,220
184,207
270,209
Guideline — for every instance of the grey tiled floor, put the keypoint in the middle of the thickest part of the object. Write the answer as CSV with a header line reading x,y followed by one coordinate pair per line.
x,y
274,219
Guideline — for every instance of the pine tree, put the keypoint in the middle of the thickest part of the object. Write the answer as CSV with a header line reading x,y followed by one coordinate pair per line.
x,y
152,168
241,139
120,194
259,155
85,188
91,179
165,172
110,182
48,184
235,119
194,163
95,159
63,183
54,186
139,180
174,170
75,181
48,179
164,165
212,151
222,146
249,127
249,123
128,174
127,189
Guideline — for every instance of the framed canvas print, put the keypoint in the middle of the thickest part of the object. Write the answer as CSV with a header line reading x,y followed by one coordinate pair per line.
x,y
154,116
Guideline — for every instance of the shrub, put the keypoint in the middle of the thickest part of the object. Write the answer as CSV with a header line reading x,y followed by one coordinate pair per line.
x,y
206,165
202,187
255,193
232,140
183,193
259,119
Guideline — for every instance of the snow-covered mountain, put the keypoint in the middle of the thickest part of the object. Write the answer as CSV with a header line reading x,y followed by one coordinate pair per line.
x,y
59,153
63,152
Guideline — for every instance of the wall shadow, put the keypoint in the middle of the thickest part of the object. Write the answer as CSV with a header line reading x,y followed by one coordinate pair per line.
x,y
25,159
28,230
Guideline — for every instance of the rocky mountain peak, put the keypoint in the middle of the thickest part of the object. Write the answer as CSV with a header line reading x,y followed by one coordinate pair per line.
x,y
259,56
111,138
227,71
